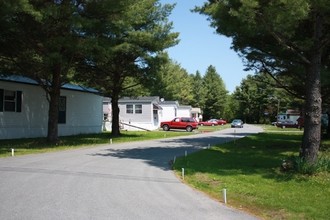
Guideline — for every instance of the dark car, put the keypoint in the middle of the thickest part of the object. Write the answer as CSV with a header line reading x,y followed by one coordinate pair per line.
x,y
186,123
237,123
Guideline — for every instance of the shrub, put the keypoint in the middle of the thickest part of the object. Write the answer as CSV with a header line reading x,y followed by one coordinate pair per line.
x,y
299,165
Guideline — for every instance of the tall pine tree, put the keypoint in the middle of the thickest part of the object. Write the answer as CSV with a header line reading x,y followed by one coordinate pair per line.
x,y
38,40
280,37
122,45
215,94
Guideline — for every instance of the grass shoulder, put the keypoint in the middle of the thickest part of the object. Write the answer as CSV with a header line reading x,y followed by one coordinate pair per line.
x,y
249,170
39,145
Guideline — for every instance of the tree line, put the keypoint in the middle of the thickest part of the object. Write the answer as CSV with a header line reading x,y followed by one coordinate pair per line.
x,y
256,100
207,92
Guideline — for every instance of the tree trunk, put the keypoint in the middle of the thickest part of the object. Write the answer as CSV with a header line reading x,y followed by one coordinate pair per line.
x,y
313,105
328,127
54,96
312,123
115,114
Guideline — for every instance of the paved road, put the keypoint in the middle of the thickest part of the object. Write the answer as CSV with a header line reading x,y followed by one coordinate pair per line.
x,y
117,181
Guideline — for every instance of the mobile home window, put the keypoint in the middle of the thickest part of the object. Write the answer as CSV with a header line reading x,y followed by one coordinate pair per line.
x,y
10,101
129,109
138,109
105,117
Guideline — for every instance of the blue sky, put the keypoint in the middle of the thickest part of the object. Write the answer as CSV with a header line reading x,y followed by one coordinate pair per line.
x,y
201,47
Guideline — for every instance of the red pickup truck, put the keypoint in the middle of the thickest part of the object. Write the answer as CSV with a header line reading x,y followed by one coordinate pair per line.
x,y
186,123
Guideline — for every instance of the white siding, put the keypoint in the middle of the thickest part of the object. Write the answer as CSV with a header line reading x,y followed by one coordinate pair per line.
x,y
168,113
144,120
83,113
144,117
32,121
184,112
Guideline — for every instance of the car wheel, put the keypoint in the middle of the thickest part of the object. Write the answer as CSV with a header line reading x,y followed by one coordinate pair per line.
x,y
166,128
189,129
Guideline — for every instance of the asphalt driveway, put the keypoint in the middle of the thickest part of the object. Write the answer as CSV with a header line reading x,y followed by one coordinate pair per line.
x,y
117,181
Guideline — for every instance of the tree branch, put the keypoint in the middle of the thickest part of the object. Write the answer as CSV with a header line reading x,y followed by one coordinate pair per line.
x,y
279,83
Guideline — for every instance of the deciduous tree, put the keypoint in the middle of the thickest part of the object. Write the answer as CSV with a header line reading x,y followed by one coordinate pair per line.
x,y
173,83
255,97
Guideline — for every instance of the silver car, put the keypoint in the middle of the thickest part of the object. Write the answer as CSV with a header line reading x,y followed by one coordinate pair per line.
x,y
237,123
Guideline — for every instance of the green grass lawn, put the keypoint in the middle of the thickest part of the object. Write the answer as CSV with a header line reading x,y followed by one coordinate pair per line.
x,y
39,145
250,172
272,128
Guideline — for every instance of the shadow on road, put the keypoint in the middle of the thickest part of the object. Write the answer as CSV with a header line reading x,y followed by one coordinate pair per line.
x,y
161,153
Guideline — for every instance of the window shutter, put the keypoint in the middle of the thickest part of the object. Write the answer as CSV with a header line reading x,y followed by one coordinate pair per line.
x,y
19,101
1,100
62,110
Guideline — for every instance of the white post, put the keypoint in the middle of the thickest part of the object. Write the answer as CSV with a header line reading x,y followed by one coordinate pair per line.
x,y
174,159
185,153
224,192
12,152
111,141
183,173
208,146
235,136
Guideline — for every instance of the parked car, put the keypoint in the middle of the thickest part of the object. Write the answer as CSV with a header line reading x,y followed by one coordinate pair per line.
x,y
287,124
189,124
222,122
237,123
211,122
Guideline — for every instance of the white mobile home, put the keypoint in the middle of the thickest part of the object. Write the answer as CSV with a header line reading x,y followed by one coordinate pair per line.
x,y
24,109
184,111
172,109
140,113
289,115
143,113
169,110
197,114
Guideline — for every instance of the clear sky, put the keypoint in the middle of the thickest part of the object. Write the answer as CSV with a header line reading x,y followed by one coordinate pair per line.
x,y
201,47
